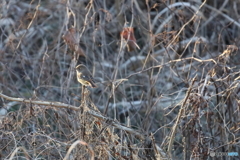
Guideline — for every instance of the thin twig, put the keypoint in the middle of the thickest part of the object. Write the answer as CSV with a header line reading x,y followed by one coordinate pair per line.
x,y
174,128
82,143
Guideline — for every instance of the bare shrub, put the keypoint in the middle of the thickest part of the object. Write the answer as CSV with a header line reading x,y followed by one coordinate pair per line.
x,y
167,75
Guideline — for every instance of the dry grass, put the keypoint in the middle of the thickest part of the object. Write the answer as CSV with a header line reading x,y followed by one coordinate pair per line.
x,y
176,97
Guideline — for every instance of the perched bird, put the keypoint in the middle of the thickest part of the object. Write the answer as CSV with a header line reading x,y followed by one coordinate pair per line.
x,y
84,76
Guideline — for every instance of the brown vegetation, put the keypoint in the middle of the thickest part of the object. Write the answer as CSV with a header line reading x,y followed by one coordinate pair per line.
x,y
167,74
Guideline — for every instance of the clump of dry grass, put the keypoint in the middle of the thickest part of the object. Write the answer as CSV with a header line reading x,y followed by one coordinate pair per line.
x,y
177,97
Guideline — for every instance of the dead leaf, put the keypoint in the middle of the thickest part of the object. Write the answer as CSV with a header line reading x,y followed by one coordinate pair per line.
x,y
70,38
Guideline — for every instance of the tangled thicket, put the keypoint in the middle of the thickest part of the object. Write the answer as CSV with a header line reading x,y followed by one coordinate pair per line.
x,y
175,97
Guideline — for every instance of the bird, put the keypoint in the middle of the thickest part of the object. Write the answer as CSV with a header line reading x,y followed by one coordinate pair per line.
x,y
84,76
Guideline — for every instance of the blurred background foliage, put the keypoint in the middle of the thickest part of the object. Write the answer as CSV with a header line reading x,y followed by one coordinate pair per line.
x,y
184,46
